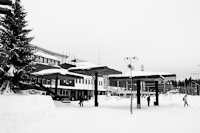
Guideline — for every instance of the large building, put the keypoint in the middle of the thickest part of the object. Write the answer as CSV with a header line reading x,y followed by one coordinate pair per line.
x,y
72,89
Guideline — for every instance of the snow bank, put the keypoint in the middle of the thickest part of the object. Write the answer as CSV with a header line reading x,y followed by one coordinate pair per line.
x,y
19,111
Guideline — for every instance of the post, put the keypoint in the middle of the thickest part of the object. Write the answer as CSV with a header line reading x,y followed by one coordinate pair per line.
x,y
138,94
96,90
131,106
156,87
56,85
164,89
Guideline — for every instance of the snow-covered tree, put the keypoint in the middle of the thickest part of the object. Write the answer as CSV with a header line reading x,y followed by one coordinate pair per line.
x,y
16,53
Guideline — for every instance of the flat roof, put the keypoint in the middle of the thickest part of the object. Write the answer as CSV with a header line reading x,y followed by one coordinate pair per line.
x,y
91,70
48,51
144,76
55,72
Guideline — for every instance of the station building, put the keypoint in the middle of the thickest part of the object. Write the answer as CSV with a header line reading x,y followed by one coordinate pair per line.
x,y
72,89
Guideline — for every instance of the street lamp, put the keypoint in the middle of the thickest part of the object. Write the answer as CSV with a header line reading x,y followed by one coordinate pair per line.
x,y
130,60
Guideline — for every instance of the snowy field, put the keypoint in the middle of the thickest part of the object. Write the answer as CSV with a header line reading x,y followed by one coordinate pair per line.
x,y
39,114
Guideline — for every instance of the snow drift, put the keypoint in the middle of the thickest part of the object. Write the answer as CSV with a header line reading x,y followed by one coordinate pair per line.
x,y
19,111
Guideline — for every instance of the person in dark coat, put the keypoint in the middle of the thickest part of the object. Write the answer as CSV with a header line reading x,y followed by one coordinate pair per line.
x,y
148,100
81,101
185,100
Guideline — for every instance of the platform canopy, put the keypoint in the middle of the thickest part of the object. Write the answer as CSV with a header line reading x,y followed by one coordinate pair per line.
x,y
61,74
144,76
91,70
95,71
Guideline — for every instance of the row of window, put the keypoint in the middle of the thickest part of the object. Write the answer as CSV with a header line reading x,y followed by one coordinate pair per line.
x,y
83,81
46,60
87,81
63,92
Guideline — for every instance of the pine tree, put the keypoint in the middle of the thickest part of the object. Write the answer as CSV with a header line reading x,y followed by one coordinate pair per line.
x,y
17,54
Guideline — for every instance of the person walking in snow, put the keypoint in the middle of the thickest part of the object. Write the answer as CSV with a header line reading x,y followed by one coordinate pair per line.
x,y
185,100
148,100
81,101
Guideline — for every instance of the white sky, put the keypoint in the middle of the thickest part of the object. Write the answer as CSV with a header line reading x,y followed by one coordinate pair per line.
x,y
164,35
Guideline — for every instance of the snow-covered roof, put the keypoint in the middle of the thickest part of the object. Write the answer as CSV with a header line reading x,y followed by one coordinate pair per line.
x,y
52,73
45,55
91,70
145,75
86,64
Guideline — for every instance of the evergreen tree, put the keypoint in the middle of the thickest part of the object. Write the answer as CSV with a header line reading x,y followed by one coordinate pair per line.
x,y
17,54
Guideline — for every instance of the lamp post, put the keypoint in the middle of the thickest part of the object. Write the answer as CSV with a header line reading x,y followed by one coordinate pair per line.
x,y
130,60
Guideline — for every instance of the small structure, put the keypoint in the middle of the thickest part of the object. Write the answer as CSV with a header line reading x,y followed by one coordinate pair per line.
x,y
139,76
95,71
57,74
193,89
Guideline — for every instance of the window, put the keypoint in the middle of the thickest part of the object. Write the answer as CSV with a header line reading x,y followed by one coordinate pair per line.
x,y
49,60
44,81
45,60
39,80
79,80
42,59
85,81
55,62
88,81
100,83
48,82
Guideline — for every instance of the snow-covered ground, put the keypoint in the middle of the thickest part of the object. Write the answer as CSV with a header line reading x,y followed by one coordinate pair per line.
x,y
38,114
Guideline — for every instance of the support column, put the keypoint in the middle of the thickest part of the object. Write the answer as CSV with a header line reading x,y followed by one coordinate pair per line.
x,y
138,94
56,86
76,94
156,87
69,94
164,89
96,90
88,92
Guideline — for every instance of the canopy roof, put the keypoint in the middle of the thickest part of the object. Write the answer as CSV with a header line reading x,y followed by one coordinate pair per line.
x,y
91,70
54,73
41,66
66,65
144,75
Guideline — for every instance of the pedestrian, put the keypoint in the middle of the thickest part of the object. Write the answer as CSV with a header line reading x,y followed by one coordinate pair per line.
x,y
185,100
81,101
148,100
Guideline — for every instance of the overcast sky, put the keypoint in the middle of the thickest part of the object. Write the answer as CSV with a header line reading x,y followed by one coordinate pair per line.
x,y
163,34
